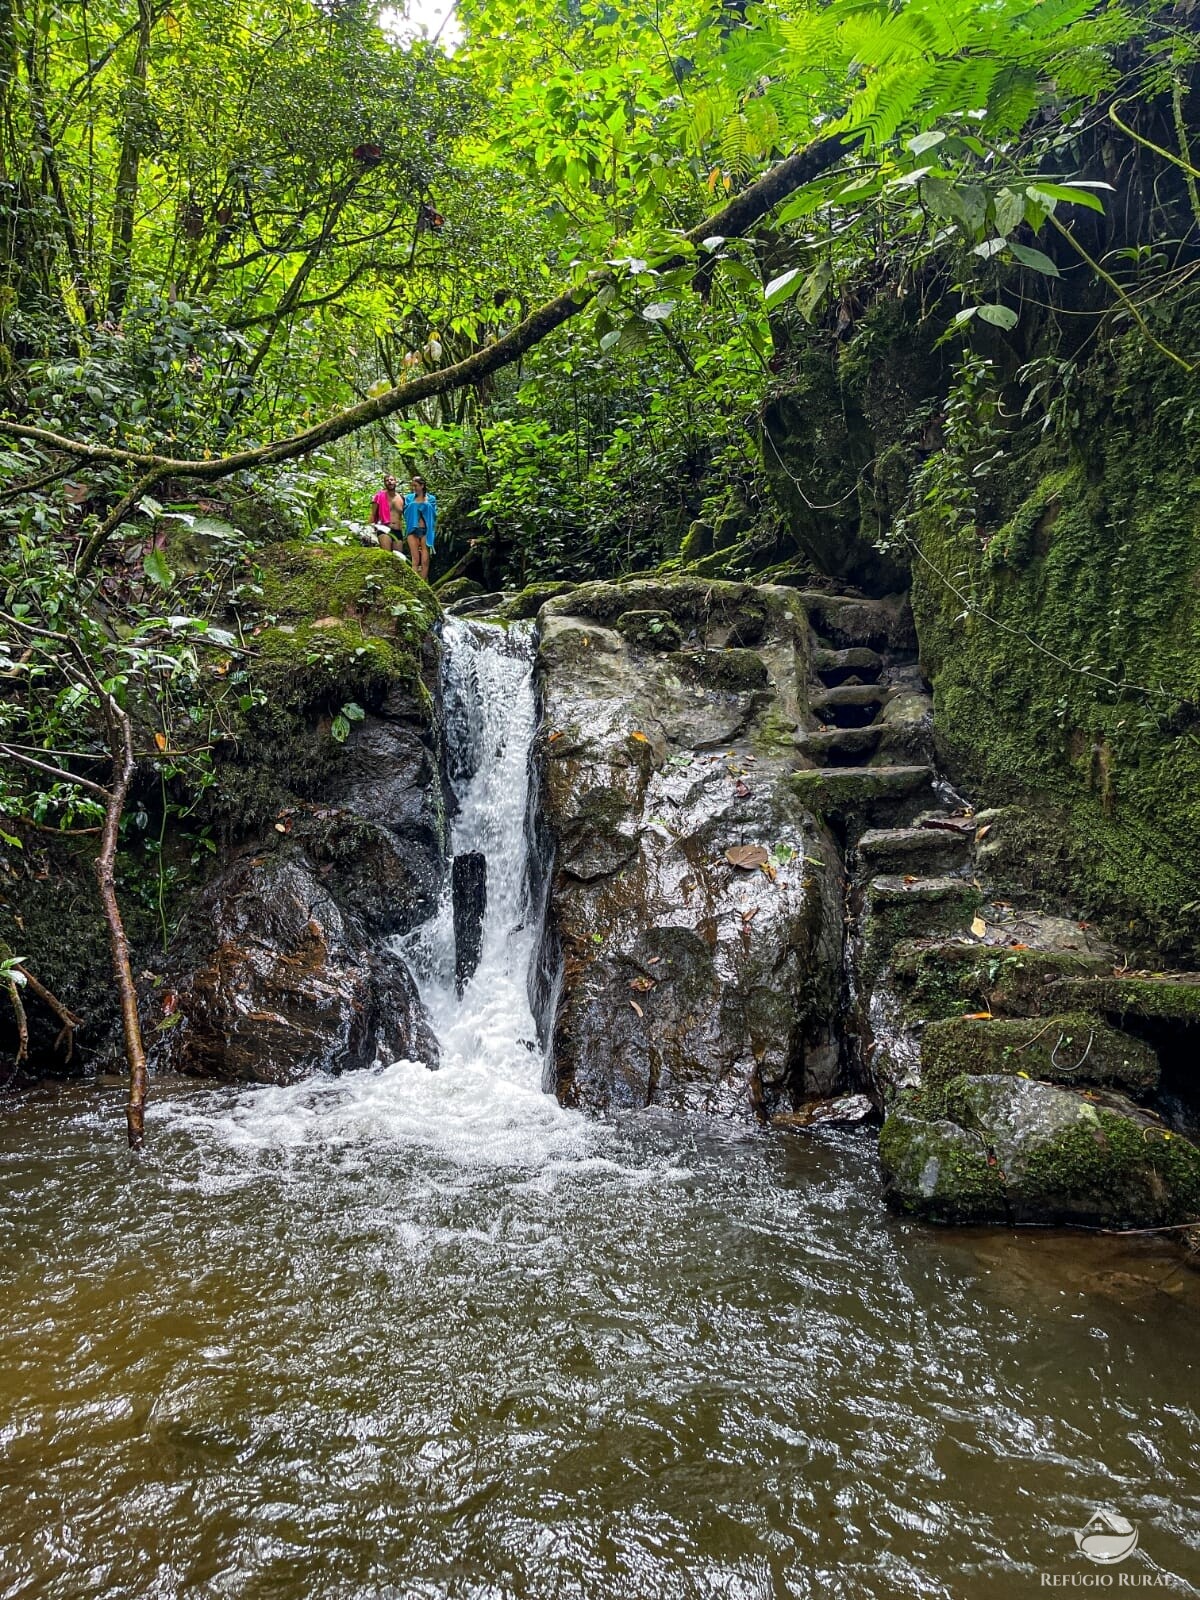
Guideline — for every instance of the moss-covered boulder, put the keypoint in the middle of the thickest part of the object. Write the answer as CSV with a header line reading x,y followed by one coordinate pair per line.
x,y
527,602
998,1148
1070,1049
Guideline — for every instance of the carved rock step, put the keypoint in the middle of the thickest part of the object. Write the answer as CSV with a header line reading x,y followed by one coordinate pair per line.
x,y
852,705
893,890
848,620
917,850
833,667
863,794
1068,1048
877,743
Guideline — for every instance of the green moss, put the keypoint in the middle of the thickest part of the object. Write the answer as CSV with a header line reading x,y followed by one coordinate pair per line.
x,y
946,979
1071,1048
855,791
1072,683
341,621
935,1169
1168,999
1136,1175
456,589
338,625
526,605
732,671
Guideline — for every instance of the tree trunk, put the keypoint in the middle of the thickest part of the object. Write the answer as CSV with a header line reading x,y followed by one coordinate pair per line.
x,y
127,169
121,744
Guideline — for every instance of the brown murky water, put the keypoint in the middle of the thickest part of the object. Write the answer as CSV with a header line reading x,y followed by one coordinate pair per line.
x,y
368,1339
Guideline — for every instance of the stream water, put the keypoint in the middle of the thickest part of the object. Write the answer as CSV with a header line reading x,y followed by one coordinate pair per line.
x,y
412,1333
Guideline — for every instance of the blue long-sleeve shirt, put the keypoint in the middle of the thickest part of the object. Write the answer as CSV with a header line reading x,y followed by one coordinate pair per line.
x,y
412,516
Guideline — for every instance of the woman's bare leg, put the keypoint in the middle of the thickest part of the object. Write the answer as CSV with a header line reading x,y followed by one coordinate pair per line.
x,y
424,567
414,551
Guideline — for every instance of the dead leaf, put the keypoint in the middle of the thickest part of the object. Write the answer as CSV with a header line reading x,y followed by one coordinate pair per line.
x,y
979,927
747,856
977,1016
281,827
639,736
160,739
643,985
749,916
637,1008
768,871
982,833
742,790
910,877
557,734
652,961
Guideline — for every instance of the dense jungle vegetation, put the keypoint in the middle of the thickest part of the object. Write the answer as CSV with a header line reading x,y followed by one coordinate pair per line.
x,y
756,287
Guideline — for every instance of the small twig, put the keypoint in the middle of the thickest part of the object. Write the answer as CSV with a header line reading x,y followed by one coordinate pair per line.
x,y
1170,1227
68,1018
54,772
1055,1062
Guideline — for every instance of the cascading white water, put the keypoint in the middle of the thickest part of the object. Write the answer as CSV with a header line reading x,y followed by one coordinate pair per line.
x,y
490,716
484,1105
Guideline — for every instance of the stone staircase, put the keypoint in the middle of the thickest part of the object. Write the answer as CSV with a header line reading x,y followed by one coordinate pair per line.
x,y
866,767
1024,1078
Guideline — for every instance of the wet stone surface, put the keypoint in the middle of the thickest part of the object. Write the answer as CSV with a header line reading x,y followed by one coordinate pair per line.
x,y
688,981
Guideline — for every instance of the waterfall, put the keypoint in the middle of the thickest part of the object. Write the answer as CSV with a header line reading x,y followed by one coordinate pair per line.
x,y
490,716
484,1107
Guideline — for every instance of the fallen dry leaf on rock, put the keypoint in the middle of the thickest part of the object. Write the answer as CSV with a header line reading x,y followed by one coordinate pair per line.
x,y
747,856
637,1008
642,985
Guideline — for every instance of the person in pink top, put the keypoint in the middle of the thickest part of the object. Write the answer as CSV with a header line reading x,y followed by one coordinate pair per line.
x,y
383,506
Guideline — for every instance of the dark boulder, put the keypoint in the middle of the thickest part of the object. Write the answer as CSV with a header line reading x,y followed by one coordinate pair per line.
x,y
468,884
279,986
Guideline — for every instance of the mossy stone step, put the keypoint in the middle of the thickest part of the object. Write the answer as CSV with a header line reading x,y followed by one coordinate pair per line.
x,y
892,889
849,620
891,850
1070,1048
1169,997
864,792
849,694
899,910
833,667
951,976
876,744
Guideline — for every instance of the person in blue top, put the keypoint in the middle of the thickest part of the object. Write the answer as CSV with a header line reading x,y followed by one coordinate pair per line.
x,y
420,524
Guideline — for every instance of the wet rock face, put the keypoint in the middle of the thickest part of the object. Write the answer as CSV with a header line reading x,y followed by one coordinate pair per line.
x,y
279,970
688,980
285,989
468,886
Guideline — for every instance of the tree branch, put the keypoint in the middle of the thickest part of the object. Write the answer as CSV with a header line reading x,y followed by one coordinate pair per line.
x,y
730,222
60,774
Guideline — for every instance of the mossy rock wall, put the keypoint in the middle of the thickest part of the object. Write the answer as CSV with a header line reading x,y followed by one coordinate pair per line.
x,y
1093,581
331,625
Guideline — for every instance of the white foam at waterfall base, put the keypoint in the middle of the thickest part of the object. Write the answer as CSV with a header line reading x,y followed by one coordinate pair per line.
x,y
484,1106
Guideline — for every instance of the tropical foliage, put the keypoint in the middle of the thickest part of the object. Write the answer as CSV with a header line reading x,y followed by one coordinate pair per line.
x,y
275,245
